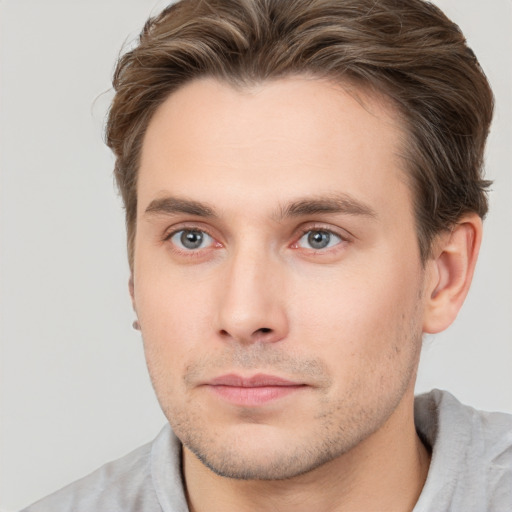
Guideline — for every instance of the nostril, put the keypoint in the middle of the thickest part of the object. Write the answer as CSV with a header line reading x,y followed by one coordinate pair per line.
x,y
264,330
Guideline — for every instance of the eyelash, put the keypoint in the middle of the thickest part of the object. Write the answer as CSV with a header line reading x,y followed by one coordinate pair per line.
x,y
189,252
295,245
319,229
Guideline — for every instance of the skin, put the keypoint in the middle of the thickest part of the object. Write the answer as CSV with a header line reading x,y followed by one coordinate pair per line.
x,y
262,174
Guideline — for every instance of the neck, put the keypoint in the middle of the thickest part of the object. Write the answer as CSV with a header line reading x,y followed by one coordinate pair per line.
x,y
386,471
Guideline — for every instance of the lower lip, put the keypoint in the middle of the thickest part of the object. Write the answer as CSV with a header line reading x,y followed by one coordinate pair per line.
x,y
253,396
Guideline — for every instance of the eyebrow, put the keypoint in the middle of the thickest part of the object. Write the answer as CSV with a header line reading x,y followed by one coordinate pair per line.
x,y
172,205
333,203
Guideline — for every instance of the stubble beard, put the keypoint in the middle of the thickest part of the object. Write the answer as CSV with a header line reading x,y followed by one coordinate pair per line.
x,y
337,428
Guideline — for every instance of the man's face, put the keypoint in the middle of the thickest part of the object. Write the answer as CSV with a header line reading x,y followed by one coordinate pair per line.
x,y
277,278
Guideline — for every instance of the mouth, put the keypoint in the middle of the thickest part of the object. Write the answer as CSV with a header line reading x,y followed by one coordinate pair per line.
x,y
252,391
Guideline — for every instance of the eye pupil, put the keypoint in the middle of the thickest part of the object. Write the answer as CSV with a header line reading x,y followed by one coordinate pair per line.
x,y
319,239
191,239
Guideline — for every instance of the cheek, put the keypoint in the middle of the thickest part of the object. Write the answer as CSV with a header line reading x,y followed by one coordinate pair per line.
x,y
169,300
174,321
366,315
171,330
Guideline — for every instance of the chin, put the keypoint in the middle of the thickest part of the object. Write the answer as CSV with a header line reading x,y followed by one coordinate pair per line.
x,y
262,452
261,465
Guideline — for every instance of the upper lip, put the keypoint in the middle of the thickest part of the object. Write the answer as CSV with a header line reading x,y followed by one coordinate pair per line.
x,y
256,381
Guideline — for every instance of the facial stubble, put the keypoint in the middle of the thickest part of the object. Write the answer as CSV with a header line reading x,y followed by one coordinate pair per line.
x,y
277,451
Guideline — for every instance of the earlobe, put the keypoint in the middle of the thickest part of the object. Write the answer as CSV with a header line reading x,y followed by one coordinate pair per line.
x,y
451,272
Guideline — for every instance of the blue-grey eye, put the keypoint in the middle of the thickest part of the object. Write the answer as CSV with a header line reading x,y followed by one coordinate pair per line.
x,y
191,239
318,239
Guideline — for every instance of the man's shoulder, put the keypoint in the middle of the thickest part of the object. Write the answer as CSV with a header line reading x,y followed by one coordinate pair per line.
x,y
437,410
471,454
125,484
114,486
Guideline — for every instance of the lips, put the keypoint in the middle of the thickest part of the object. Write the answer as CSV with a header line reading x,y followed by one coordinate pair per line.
x,y
256,381
252,391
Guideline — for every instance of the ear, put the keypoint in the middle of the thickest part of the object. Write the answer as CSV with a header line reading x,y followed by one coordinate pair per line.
x,y
131,288
451,272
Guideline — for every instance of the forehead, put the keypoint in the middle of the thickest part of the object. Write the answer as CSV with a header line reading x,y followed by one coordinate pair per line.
x,y
291,136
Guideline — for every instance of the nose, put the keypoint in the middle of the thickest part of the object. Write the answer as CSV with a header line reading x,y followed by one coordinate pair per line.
x,y
252,306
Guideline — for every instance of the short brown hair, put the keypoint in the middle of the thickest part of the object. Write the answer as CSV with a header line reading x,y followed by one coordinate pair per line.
x,y
407,49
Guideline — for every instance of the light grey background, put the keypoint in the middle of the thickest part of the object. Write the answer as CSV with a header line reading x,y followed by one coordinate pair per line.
x,y
74,389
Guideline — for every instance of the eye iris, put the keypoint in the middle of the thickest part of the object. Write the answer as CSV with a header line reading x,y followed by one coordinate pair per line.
x,y
191,239
319,239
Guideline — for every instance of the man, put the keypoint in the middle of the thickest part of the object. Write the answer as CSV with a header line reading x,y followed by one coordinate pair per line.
x,y
304,200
